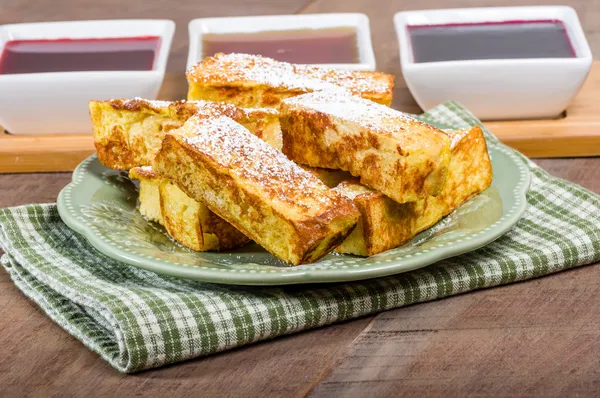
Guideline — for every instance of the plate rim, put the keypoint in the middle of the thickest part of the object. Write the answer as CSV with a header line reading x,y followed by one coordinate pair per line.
x,y
294,275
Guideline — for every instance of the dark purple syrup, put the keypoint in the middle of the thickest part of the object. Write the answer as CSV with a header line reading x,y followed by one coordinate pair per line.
x,y
490,40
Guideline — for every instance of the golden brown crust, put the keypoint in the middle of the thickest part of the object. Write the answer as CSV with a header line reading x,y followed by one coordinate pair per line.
x,y
114,153
128,132
255,81
385,224
256,189
188,222
229,237
402,157
193,225
471,168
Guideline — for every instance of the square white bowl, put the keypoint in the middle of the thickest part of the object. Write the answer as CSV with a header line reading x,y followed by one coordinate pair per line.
x,y
57,102
253,24
497,89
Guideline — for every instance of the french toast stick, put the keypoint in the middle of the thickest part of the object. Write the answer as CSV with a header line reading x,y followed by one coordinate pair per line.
x,y
253,186
128,132
256,81
386,224
188,222
402,157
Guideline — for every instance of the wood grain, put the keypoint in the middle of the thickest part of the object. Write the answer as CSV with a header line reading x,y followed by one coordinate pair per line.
x,y
530,339
18,189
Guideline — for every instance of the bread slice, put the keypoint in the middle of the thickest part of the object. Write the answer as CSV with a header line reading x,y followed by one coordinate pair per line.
x,y
254,187
149,196
402,157
128,132
188,222
255,81
385,224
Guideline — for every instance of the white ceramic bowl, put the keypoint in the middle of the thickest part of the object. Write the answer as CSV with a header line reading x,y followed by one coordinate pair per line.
x,y
57,102
253,24
498,89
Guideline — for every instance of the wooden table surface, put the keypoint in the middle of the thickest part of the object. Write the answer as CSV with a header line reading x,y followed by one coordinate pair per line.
x,y
537,338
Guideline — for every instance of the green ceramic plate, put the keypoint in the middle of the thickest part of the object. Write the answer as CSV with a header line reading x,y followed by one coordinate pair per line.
x,y
101,204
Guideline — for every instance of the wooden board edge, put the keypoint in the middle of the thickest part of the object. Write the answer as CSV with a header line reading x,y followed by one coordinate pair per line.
x,y
562,147
35,163
51,153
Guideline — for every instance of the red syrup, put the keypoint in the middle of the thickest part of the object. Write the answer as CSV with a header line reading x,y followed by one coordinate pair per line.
x,y
78,55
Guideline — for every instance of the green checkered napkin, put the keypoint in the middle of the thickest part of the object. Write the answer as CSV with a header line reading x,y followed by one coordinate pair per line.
x,y
136,319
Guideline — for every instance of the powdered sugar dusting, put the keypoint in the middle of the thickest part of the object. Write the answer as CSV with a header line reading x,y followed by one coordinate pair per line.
x,y
368,114
233,68
248,157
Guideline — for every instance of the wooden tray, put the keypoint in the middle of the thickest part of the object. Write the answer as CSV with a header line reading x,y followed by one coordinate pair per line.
x,y
576,134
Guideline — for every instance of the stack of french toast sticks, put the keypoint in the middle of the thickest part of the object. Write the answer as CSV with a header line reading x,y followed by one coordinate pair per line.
x,y
302,160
